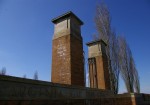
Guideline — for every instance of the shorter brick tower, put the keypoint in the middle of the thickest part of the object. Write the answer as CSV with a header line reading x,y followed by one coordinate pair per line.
x,y
67,50
98,65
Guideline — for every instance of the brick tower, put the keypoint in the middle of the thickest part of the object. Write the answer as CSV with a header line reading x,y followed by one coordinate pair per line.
x,y
67,50
98,65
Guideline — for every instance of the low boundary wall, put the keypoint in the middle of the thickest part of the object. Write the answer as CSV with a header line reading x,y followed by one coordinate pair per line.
x,y
19,91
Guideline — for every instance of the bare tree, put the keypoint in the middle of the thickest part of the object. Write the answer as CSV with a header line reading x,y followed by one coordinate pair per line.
x,y
114,63
103,22
3,71
35,77
127,67
118,52
136,82
103,26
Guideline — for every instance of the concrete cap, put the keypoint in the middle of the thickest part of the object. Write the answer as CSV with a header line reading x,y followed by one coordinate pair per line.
x,y
68,14
95,42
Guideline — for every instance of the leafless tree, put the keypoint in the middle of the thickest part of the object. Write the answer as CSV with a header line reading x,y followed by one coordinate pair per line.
x,y
118,52
103,22
35,77
3,71
127,67
114,64
136,82
103,26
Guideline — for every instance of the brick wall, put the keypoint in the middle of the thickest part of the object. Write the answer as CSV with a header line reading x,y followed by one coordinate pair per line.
x,y
67,60
77,64
61,60
98,72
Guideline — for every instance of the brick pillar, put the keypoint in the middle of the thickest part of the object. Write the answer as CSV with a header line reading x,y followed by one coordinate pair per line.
x,y
98,65
67,50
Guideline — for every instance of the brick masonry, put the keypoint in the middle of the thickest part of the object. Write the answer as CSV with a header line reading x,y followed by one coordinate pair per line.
x,y
102,72
67,61
61,62
67,54
99,75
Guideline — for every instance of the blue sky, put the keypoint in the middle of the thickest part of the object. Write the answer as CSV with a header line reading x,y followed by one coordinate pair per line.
x,y
26,33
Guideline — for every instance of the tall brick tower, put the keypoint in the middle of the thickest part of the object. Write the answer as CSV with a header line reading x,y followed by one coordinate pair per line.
x,y
98,65
67,50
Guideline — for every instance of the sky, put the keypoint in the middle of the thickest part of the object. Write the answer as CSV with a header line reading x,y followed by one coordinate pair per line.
x,y
26,33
